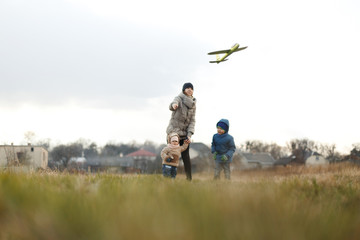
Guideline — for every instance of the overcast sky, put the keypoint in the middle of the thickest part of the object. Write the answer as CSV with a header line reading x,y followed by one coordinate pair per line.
x,y
107,70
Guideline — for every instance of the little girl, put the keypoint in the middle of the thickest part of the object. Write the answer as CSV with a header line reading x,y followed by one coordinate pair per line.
x,y
170,155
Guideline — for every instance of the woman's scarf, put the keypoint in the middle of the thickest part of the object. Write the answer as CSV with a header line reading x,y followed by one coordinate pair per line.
x,y
189,102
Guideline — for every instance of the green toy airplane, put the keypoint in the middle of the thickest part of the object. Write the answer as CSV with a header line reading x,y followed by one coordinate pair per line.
x,y
227,52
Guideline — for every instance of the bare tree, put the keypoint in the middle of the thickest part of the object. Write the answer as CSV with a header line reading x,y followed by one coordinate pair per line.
x,y
256,146
29,136
91,151
149,146
63,153
329,152
45,143
356,146
112,149
302,149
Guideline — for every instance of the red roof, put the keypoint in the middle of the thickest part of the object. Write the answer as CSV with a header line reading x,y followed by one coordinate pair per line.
x,y
141,153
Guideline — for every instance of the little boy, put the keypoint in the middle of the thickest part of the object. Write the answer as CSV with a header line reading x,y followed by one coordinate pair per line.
x,y
223,148
170,155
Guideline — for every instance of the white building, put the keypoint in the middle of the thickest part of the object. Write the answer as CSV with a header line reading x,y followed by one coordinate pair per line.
x,y
257,160
24,155
316,160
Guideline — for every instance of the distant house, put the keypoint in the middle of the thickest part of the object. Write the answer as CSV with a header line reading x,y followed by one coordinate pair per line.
x,y
140,161
110,164
310,158
34,157
201,158
257,160
354,156
284,161
316,159
77,163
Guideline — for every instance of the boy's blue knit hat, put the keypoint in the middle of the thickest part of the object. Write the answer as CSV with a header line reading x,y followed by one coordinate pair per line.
x,y
223,125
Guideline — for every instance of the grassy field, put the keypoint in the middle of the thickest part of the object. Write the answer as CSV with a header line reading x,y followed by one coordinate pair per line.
x,y
284,203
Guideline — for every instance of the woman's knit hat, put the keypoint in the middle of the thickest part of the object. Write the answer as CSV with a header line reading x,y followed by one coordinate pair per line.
x,y
187,85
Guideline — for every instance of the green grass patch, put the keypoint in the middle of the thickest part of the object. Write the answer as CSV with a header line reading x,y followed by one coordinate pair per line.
x,y
274,204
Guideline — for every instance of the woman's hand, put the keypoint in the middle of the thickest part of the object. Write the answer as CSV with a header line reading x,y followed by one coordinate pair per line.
x,y
174,106
188,140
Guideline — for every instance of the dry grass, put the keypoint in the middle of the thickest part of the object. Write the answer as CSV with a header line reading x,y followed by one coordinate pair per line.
x,y
283,203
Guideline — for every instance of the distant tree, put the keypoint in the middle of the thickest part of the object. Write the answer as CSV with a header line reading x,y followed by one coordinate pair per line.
x,y
302,149
45,143
277,151
111,149
256,146
329,152
149,146
29,136
354,155
356,147
63,153
130,147
91,151
355,152
58,154
159,149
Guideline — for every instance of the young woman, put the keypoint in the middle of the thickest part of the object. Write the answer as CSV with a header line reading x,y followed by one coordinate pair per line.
x,y
182,121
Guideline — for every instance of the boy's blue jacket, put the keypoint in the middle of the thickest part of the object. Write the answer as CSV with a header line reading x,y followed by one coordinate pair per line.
x,y
223,144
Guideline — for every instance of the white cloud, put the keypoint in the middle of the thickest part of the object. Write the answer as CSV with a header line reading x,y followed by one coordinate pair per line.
x,y
107,70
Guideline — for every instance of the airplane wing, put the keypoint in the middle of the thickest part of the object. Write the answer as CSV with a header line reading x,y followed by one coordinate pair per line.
x,y
218,61
219,52
239,49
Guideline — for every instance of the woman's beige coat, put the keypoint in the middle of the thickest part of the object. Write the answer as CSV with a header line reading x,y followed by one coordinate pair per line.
x,y
183,118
